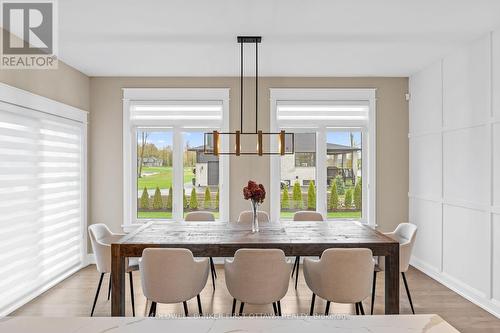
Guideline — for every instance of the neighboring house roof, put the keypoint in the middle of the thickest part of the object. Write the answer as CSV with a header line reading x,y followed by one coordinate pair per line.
x,y
333,148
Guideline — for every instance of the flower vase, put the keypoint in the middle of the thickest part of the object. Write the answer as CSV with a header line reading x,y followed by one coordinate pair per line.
x,y
255,220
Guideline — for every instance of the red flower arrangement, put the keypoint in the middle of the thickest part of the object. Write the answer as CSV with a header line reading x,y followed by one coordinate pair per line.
x,y
255,192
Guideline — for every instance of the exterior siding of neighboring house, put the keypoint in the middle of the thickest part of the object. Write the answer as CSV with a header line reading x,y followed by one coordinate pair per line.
x,y
206,168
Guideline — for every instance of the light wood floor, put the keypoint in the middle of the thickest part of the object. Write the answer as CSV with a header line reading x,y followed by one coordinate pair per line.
x,y
74,296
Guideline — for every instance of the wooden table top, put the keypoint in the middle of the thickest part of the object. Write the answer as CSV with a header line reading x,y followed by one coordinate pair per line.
x,y
293,237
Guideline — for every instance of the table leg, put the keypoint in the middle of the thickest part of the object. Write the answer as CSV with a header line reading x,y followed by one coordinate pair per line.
x,y
392,280
118,274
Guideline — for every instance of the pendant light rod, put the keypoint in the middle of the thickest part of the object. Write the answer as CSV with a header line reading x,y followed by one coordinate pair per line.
x,y
241,88
256,86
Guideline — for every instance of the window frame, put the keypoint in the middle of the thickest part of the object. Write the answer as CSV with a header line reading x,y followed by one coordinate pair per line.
x,y
321,128
130,95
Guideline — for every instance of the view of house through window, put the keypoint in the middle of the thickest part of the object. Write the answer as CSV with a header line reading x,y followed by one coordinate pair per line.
x,y
154,174
298,176
343,172
201,176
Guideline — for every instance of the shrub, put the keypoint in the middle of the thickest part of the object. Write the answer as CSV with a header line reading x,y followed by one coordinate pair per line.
x,y
297,196
311,196
169,198
157,201
208,199
193,200
334,197
145,199
184,199
217,199
340,185
357,194
348,198
285,200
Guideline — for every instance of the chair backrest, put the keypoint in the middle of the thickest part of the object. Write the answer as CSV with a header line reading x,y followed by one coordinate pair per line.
x,y
405,234
247,216
305,215
100,238
199,216
258,276
172,275
341,275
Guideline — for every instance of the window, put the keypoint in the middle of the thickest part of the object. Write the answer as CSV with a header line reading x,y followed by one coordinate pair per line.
x,y
334,151
42,195
170,173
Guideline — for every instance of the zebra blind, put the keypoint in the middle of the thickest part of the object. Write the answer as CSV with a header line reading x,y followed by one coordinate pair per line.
x,y
41,202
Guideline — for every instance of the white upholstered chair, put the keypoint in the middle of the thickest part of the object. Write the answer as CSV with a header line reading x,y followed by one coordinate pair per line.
x,y
303,215
247,216
340,276
101,238
405,234
172,276
257,276
203,216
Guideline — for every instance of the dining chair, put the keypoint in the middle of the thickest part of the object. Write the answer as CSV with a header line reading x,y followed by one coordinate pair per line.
x,y
172,276
340,276
405,234
257,276
101,238
201,216
303,215
246,216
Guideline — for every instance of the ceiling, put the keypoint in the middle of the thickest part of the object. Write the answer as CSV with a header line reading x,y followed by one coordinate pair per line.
x,y
299,38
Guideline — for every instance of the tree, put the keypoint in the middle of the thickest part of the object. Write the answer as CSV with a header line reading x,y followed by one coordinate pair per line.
x,y
169,198
157,201
193,200
145,199
285,204
311,196
217,199
208,199
348,198
184,199
357,194
334,197
340,185
144,140
297,196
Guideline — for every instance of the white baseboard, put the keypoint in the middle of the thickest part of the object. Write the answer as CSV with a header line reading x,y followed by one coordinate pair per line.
x,y
90,259
471,294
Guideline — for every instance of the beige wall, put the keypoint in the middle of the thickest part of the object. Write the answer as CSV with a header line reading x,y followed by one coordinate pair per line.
x,y
105,139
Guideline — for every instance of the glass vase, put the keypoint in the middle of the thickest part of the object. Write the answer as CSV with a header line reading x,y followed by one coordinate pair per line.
x,y
255,219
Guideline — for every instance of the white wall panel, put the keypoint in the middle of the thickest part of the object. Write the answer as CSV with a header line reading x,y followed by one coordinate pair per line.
x,y
427,216
466,165
466,247
426,100
496,257
466,85
496,165
426,166
496,73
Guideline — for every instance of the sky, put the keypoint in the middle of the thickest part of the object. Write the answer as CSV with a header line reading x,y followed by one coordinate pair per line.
x,y
162,139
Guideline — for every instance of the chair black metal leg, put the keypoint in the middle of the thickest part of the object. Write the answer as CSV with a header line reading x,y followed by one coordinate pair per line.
x,y
212,271
360,305
312,304
295,265
373,290
275,309
109,287
327,310
152,310
132,293
297,272
408,291
279,308
199,304
97,294
234,307
241,307
212,265
185,308
357,308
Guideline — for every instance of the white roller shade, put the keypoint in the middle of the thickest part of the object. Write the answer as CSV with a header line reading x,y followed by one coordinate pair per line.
x,y
168,113
329,113
41,202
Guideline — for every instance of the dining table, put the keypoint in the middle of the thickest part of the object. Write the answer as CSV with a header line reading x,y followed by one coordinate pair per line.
x,y
223,239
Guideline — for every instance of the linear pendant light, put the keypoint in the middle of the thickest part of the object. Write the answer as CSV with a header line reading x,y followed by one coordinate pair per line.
x,y
212,139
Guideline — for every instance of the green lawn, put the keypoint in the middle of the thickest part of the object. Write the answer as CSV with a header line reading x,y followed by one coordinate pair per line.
x,y
330,215
163,179
154,215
